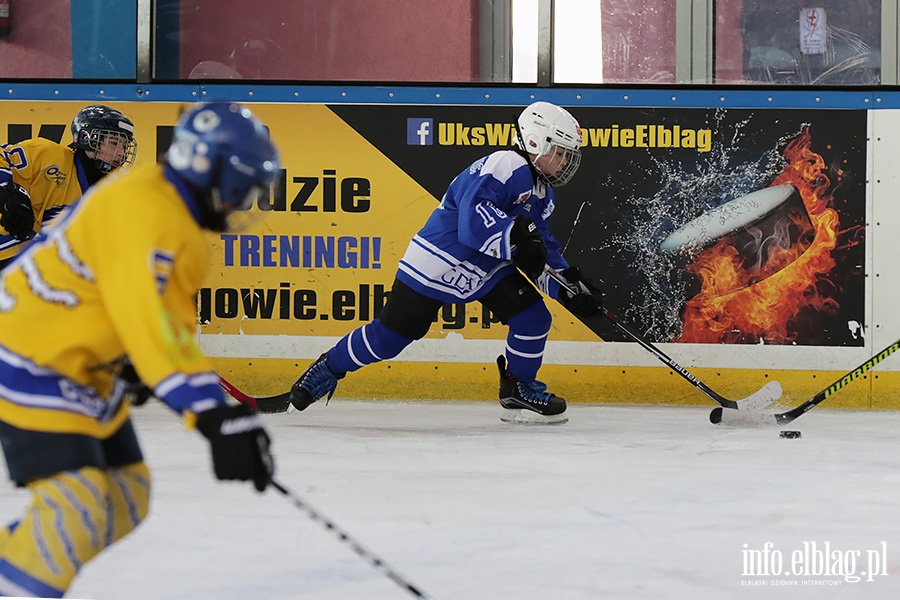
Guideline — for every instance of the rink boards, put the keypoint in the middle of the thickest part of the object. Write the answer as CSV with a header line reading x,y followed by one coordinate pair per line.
x,y
362,171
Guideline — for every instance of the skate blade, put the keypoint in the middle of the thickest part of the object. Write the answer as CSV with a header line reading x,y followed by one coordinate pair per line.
x,y
529,417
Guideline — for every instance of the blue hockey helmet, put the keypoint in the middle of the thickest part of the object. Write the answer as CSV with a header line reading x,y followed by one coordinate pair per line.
x,y
106,135
222,149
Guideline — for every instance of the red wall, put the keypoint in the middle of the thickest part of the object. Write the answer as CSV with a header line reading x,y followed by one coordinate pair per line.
x,y
323,40
361,40
729,41
638,41
40,44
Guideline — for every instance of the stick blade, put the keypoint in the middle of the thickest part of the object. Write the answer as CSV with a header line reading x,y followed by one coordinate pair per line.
x,y
263,404
274,404
731,417
762,399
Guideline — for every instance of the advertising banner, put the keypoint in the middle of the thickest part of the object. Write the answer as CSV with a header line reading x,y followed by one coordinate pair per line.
x,y
704,227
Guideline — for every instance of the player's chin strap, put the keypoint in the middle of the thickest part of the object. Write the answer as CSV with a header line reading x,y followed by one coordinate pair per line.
x,y
345,537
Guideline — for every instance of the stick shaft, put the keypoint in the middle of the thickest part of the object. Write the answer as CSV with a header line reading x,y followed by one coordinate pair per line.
x,y
788,416
345,537
768,394
720,415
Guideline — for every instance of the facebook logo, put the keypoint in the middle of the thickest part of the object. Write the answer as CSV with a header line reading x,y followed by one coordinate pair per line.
x,y
419,132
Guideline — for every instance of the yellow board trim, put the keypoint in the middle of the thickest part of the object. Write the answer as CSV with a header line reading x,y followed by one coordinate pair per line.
x,y
577,384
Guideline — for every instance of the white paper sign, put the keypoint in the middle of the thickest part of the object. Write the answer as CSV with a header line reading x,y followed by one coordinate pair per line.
x,y
812,30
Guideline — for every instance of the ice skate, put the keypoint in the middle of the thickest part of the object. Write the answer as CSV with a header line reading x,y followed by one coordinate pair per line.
x,y
528,402
316,382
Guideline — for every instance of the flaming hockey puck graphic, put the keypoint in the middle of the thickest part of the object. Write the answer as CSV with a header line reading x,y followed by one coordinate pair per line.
x,y
739,214
768,229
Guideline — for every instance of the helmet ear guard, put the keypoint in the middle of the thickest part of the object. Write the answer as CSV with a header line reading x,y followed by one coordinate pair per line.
x,y
532,144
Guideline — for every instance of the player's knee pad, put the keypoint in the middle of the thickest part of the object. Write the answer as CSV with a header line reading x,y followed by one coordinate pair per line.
x,y
109,502
510,296
74,506
533,320
408,312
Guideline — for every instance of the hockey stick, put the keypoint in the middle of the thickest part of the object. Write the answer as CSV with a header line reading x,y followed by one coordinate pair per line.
x,y
729,417
263,404
345,537
762,398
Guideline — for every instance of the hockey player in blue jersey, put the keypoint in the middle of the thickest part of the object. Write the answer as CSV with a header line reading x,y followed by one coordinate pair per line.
x,y
491,226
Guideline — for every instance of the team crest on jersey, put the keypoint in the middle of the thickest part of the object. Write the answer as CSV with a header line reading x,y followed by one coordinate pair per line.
x,y
54,174
162,268
523,197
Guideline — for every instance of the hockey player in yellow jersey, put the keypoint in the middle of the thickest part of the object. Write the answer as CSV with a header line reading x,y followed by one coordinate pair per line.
x,y
117,278
40,178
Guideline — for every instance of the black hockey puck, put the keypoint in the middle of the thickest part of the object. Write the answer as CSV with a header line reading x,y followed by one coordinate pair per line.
x,y
789,435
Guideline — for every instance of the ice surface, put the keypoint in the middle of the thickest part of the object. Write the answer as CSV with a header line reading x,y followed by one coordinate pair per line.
x,y
622,502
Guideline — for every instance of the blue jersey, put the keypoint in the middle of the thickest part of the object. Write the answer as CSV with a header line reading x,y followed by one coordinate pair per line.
x,y
464,248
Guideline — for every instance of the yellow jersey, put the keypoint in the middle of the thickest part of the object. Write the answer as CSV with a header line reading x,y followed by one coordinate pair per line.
x,y
52,176
117,275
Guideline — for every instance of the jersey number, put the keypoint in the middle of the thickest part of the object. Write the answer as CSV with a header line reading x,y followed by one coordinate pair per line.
x,y
15,157
485,214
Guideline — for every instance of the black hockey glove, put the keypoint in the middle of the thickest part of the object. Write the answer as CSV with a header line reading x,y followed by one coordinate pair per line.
x,y
18,215
530,253
136,391
589,298
240,445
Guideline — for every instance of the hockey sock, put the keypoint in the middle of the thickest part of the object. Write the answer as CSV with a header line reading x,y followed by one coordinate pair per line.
x,y
72,517
526,340
365,345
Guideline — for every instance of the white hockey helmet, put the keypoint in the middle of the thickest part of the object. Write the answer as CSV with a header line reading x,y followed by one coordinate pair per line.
x,y
544,128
